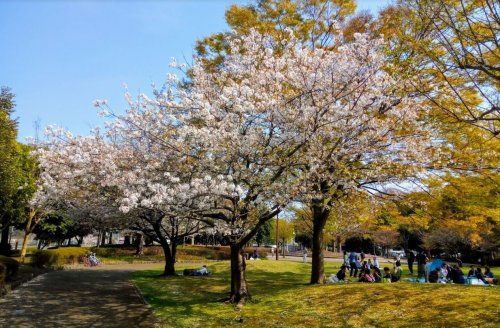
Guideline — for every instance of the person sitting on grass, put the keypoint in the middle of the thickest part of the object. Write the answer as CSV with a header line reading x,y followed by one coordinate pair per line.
x,y
472,272
434,276
443,274
387,278
366,276
488,275
369,265
398,271
456,275
377,275
480,276
340,276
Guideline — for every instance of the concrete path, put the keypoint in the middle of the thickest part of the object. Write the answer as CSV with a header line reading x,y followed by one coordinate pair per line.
x,y
102,297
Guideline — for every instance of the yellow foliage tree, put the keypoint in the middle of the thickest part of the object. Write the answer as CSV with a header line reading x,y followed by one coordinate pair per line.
x,y
450,49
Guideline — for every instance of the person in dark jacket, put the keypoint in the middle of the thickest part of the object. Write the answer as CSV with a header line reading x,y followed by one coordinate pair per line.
x,y
421,261
377,274
411,260
456,275
480,276
472,272
387,275
342,273
489,276
434,276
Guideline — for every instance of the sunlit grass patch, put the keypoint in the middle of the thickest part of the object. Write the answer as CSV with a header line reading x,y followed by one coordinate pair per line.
x,y
282,298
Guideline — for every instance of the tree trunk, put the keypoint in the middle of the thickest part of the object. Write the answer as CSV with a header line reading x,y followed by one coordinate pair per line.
x,y
79,240
103,238
126,240
27,232
320,215
4,243
239,286
169,252
110,239
139,249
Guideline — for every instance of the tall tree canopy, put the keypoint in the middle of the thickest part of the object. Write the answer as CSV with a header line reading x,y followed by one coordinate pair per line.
x,y
9,166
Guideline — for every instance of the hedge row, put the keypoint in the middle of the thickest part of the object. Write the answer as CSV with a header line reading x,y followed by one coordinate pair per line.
x,y
57,258
184,253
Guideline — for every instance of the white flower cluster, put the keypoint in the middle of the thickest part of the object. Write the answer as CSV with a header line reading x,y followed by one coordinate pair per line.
x,y
258,134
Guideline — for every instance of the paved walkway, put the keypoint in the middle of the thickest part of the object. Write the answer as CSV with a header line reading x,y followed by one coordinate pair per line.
x,y
103,297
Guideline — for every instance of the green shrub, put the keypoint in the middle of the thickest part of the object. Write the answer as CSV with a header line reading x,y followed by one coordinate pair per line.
x,y
155,253
113,251
56,258
200,252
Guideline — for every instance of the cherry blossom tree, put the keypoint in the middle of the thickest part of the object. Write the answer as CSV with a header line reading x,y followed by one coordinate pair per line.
x,y
299,122
367,133
123,179
231,148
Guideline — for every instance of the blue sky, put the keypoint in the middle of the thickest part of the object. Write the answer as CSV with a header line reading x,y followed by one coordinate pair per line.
x,y
59,56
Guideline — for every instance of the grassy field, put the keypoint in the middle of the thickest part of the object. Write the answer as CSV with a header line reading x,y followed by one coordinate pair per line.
x,y
282,298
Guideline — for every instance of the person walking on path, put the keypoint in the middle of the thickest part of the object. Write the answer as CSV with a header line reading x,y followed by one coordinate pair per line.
x,y
304,256
411,260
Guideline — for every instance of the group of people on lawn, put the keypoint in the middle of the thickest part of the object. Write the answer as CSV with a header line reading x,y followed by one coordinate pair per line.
x,y
438,271
368,270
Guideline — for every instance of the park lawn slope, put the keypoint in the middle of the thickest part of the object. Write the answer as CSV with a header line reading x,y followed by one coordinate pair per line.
x,y
282,298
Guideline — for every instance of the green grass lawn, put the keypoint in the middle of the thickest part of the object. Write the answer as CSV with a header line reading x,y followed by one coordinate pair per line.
x,y
281,297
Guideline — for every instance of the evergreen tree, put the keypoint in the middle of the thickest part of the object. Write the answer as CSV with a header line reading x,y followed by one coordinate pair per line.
x,y
8,167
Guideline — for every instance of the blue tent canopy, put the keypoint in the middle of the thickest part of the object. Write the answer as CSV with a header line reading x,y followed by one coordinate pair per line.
x,y
436,264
